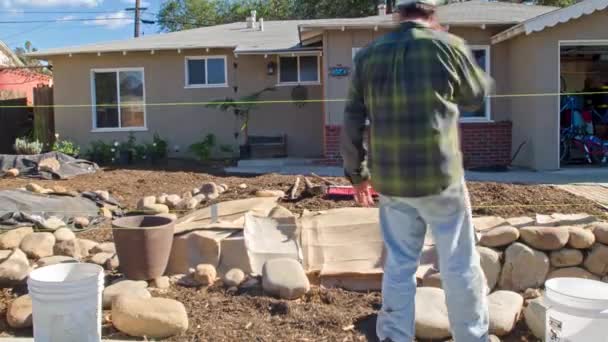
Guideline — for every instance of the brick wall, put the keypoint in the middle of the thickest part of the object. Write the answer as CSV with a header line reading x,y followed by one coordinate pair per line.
x,y
484,144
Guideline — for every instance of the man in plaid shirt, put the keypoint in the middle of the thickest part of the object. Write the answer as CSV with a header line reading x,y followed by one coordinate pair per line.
x,y
411,84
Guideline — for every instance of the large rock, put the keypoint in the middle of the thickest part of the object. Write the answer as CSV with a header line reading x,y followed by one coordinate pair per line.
x,y
597,260
104,195
155,209
4,254
64,234
12,173
153,317
14,270
205,274
545,238
12,238
38,245
19,313
86,246
600,230
490,263
101,258
520,221
284,278
534,315
546,220
53,260
572,272
49,165
566,257
161,282
107,247
210,190
572,219
172,201
524,268
234,277
192,249
504,307
499,236
33,187
431,314
69,248
146,201
127,288
580,238
52,223
484,223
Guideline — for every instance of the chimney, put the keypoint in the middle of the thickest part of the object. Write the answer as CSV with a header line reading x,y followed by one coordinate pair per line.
x,y
261,24
382,9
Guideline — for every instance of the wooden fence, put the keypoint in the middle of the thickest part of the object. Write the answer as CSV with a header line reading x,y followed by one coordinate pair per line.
x,y
16,120
44,115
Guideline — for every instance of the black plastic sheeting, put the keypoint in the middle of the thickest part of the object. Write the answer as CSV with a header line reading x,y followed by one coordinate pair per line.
x,y
28,165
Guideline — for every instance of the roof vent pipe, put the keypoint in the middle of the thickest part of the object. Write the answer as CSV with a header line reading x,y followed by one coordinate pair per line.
x,y
382,9
261,24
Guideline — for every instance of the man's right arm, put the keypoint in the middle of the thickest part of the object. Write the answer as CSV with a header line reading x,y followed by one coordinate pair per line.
x,y
474,84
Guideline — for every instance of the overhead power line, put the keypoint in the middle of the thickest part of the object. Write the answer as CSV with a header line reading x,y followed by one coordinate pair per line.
x,y
59,20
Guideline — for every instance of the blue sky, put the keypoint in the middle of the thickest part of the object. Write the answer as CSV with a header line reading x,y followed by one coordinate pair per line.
x,y
67,33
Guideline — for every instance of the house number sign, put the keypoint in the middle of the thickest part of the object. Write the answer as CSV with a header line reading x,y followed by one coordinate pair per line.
x,y
339,71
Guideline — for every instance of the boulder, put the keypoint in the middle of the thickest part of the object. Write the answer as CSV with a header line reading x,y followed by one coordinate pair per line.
x,y
52,223
33,187
223,188
69,248
103,195
12,238
14,270
12,173
53,260
431,314
86,246
520,221
600,230
580,238
234,277
49,165
155,209
210,189
505,308
488,222
127,288
161,282
499,236
534,315
205,274
150,317
191,249
566,257
545,238
524,268
64,234
432,279
572,219
107,247
4,254
19,313
189,203
161,199
81,222
38,245
270,193
284,278
146,202
572,272
172,201
490,263
597,260
101,258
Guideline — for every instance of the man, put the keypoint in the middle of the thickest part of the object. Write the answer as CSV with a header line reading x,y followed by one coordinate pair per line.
x,y
410,85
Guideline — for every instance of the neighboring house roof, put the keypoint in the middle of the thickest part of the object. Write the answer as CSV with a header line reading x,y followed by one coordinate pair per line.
x,y
551,19
8,56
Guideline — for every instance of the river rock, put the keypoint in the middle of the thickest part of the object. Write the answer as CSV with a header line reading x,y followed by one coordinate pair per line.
x,y
38,245
146,202
101,258
49,165
597,260
572,272
58,189
284,278
431,314
572,219
106,213
112,263
33,187
209,188
128,288
107,247
205,274
488,222
499,236
19,313
546,220
524,268
234,277
64,234
172,201
545,238
580,238
566,257
81,222
600,230
504,307
103,195
12,173
161,199
243,186
14,270
69,248
490,263
161,282
155,209
152,317
4,254
532,293
55,259
189,203
520,221
12,238
86,246
270,193
52,223
223,188
534,315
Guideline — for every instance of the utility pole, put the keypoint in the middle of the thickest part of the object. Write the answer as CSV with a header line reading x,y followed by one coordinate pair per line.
x,y
137,11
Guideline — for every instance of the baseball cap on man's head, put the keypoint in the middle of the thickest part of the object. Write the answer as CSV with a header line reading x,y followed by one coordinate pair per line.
x,y
406,3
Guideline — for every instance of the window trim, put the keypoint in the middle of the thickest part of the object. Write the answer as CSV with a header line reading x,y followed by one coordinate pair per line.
x,y
317,82
94,128
187,84
488,107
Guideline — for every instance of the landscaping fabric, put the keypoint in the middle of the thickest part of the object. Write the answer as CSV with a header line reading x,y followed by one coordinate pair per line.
x,y
28,165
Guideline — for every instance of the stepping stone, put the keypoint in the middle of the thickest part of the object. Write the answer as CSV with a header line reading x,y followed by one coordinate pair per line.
x,y
504,307
284,278
431,314
150,317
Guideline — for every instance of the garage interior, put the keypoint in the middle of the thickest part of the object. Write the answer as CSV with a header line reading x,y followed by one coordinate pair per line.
x,y
584,104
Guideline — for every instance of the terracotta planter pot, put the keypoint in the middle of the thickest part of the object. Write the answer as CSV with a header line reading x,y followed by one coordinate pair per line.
x,y
143,245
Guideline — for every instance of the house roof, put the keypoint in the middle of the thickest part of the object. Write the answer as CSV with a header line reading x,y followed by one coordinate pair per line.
x,y
551,19
285,35
13,60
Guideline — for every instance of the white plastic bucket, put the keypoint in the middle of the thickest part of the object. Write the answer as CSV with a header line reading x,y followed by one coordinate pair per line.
x,y
577,310
66,302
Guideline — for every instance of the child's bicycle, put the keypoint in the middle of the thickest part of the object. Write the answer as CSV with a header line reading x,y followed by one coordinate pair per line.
x,y
576,140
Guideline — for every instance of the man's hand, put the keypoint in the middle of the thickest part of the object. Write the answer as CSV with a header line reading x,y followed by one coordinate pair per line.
x,y
363,194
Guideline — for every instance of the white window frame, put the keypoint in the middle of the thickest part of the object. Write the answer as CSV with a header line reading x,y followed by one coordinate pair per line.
x,y
94,101
488,110
317,82
355,50
187,84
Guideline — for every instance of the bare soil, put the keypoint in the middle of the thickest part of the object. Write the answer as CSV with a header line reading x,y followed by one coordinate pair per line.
x,y
323,314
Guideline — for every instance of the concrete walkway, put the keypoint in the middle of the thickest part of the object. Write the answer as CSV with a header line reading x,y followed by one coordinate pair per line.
x,y
588,175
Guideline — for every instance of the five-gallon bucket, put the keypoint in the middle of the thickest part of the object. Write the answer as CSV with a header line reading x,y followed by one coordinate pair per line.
x,y
66,302
577,310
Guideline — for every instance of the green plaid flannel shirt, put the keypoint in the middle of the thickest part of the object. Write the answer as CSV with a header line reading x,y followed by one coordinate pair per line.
x,y
410,85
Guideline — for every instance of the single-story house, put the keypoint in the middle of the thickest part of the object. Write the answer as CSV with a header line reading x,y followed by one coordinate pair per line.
x,y
170,76
16,80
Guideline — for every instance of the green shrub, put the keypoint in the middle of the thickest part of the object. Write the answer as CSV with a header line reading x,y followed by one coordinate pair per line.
x,y
203,148
25,146
101,152
159,147
66,147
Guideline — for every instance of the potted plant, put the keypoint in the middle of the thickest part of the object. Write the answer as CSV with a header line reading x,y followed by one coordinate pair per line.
x,y
158,151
